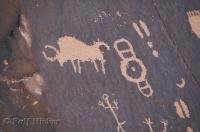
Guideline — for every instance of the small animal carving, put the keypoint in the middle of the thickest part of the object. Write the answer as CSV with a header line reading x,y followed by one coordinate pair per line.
x,y
74,50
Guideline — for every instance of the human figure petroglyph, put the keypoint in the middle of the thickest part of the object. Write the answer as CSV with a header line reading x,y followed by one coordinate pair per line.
x,y
140,28
194,20
149,123
107,105
146,89
74,50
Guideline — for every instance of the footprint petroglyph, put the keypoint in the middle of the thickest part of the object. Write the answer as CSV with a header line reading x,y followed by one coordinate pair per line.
x,y
74,50
141,81
149,123
106,104
142,30
182,109
181,84
194,20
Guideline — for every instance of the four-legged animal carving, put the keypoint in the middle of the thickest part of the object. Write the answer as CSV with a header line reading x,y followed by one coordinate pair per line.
x,y
73,50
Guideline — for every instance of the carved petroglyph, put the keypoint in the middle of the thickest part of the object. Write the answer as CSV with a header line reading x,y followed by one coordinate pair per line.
x,y
140,28
165,123
105,103
181,84
149,123
189,129
182,109
194,20
74,50
145,89
101,16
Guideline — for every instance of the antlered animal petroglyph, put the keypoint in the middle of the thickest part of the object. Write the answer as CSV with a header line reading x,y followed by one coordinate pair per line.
x,y
74,50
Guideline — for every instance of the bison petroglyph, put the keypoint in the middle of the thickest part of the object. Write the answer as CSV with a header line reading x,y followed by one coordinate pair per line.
x,y
74,50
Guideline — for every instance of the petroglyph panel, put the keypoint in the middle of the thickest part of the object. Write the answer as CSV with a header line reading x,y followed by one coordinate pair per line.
x,y
141,80
76,51
194,20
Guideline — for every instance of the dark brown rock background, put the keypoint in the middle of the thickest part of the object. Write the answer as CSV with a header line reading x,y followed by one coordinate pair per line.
x,y
72,98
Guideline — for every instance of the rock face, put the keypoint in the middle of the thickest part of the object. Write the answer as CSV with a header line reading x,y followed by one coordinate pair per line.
x,y
99,66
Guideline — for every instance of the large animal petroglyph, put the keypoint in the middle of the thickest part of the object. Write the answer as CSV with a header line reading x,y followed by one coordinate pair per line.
x,y
194,20
74,50
107,105
141,81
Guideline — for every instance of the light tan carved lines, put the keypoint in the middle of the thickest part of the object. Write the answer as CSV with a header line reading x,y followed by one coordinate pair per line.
x,y
181,84
125,66
143,27
74,50
189,129
182,109
194,20
105,103
149,123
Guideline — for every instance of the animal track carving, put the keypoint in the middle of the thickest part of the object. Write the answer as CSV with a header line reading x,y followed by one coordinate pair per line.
x,y
140,28
74,50
149,123
107,105
141,81
194,20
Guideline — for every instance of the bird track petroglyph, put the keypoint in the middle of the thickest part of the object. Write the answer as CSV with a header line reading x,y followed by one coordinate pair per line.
x,y
74,50
194,20
140,28
145,89
107,105
149,123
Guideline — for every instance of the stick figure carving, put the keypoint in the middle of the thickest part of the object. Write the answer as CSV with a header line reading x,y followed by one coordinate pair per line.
x,y
141,81
107,105
73,50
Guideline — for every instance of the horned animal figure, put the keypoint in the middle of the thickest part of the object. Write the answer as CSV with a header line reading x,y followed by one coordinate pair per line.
x,y
74,50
